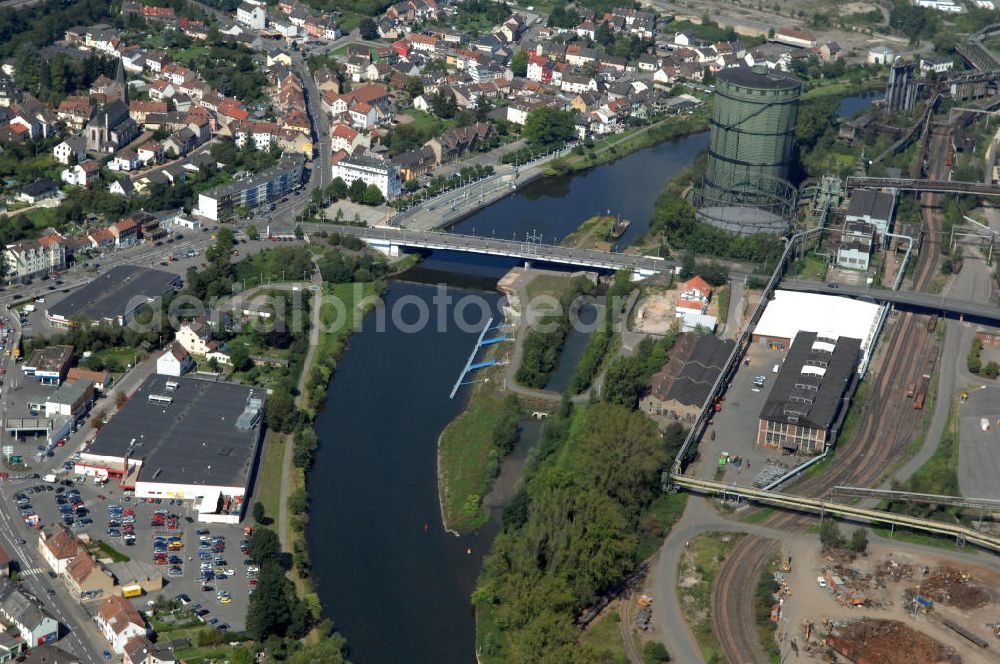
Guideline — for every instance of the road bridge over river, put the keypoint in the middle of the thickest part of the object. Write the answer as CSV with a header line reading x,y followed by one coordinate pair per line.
x,y
390,240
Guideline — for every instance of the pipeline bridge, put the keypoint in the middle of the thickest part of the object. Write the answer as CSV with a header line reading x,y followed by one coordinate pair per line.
x,y
962,534
924,301
391,240
932,186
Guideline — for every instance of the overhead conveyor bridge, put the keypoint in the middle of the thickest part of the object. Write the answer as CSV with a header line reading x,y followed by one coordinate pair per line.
x,y
801,503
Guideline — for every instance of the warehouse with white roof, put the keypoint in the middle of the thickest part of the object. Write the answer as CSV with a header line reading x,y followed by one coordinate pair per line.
x,y
829,316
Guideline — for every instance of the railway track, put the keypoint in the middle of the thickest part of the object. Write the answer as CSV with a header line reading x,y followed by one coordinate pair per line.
x,y
883,432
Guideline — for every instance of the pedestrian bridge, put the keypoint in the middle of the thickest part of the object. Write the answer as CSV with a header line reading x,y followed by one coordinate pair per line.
x,y
391,240
937,304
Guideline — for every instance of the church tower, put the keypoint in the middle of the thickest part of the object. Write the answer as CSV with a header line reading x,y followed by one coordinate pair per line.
x,y
118,91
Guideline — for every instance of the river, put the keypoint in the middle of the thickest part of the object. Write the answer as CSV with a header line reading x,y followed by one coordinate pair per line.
x,y
396,584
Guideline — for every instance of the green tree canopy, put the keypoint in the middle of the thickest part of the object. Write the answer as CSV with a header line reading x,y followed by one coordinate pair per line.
x,y
549,126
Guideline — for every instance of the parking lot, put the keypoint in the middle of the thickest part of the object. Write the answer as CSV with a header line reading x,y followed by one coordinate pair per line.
x,y
200,563
734,426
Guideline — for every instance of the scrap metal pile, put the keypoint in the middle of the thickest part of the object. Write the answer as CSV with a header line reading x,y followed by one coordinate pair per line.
x,y
889,642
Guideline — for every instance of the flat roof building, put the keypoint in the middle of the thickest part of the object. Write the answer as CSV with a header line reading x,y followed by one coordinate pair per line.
x,y
806,405
49,364
872,207
113,297
260,189
830,316
186,438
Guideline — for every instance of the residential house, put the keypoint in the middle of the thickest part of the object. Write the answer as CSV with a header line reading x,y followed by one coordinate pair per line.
x,y
150,153
100,379
81,175
415,163
126,160
458,141
161,89
252,14
101,239
343,137
36,191
57,548
75,111
122,187
175,361
140,650
195,337
119,621
32,622
72,148
138,110
86,579
125,232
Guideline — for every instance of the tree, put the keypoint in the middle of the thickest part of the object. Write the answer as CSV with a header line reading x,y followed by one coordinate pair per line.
x,y
269,612
482,108
281,414
623,452
357,191
519,64
338,188
258,512
654,652
414,86
265,547
859,541
991,369
443,104
252,232
239,357
549,126
368,29
373,195
829,534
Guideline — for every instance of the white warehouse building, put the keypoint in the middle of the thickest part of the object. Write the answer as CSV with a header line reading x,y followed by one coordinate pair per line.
x,y
186,438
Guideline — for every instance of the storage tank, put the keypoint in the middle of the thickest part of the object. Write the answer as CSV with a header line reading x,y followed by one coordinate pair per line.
x,y
751,149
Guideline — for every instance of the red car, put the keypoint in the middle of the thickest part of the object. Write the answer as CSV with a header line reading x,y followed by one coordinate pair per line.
x,y
160,561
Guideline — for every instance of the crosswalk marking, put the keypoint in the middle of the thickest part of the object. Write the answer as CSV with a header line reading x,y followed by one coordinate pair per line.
x,y
31,571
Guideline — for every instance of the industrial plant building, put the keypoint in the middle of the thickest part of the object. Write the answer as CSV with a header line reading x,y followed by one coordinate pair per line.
x,y
746,188
185,438
679,390
829,316
807,403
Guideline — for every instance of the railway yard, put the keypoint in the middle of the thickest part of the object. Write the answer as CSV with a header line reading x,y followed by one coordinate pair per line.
x,y
891,408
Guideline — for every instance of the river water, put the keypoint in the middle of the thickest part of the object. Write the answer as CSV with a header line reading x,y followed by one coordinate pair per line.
x,y
396,584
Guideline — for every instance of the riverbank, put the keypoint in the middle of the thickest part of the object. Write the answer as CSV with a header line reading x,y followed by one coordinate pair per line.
x,y
631,140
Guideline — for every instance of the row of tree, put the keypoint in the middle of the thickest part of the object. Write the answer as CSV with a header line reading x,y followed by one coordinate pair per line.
x,y
545,341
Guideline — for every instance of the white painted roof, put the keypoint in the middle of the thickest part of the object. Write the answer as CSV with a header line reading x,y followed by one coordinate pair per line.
x,y
829,316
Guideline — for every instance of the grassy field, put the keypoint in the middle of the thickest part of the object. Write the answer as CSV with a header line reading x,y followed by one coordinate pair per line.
x,y
605,636
694,586
268,491
547,284
465,467
105,550
809,266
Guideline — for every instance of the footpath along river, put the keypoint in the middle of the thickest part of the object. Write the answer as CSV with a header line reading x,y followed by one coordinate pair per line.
x,y
395,583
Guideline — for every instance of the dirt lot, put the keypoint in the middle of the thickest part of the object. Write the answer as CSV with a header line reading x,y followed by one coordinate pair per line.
x,y
654,313
877,588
